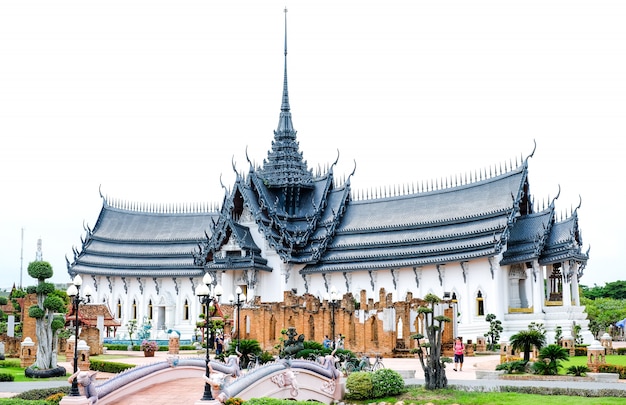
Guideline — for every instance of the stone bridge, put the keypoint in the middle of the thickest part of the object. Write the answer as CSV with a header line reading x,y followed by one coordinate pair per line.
x,y
295,379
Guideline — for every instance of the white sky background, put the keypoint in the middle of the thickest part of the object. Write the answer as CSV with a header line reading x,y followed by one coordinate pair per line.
x,y
152,100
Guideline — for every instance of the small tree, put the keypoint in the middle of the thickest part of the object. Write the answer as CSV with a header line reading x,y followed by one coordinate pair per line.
x,y
495,328
429,353
558,335
576,333
131,326
46,323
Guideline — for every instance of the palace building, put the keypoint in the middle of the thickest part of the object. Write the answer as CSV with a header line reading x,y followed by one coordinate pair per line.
x,y
478,242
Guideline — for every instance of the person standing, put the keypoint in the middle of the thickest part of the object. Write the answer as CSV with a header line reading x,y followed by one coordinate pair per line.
x,y
219,345
327,342
459,349
339,342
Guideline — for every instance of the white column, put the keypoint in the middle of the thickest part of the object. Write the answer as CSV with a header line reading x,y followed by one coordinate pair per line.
x,y
538,292
567,286
575,292
514,299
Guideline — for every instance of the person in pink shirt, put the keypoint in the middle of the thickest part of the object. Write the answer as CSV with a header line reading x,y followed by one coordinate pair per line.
x,y
459,349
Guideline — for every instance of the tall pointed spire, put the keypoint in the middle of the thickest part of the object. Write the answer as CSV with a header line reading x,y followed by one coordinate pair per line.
x,y
284,166
285,105
284,122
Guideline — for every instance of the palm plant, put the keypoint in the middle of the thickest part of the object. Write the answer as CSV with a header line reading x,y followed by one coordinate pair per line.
x,y
524,340
578,371
550,358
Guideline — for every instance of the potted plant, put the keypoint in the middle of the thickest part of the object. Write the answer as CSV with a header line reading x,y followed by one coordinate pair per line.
x,y
149,347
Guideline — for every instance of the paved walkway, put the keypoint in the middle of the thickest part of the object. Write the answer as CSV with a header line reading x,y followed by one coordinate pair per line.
x,y
187,391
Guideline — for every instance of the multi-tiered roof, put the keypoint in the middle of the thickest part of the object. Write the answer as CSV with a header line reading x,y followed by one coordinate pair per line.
x,y
309,220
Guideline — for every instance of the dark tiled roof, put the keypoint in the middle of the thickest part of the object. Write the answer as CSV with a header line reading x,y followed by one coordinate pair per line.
x,y
454,224
143,244
564,242
528,236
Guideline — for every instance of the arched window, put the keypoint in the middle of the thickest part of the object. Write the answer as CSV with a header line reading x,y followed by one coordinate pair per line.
x,y
312,327
134,309
480,304
150,309
374,330
119,308
186,310
272,328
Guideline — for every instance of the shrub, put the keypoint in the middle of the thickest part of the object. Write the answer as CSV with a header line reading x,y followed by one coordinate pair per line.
x,y
578,371
275,401
550,358
9,363
234,401
612,368
580,351
386,382
109,367
359,385
313,345
518,366
42,394
55,398
621,351
6,377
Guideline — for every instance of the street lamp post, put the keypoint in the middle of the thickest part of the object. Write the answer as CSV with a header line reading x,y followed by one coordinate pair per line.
x,y
333,301
241,298
207,294
73,291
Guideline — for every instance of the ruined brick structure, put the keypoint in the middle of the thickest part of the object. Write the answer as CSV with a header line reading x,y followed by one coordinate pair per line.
x,y
372,328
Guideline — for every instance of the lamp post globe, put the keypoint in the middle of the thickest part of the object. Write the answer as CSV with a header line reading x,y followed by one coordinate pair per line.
x,y
73,291
208,294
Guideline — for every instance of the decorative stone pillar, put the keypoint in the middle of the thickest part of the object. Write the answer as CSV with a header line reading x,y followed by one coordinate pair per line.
x,y
28,353
595,356
607,342
506,352
69,347
174,343
83,356
481,344
469,348
567,342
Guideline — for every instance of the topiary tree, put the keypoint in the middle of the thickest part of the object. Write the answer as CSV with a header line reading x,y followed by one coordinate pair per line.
x,y
46,315
495,328
429,353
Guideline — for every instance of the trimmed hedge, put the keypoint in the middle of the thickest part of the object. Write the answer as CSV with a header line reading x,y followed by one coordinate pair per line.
x,y
136,348
612,368
6,377
276,401
109,366
9,363
41,394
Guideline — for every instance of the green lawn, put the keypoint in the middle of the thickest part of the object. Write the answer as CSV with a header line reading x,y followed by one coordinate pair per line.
x,y
582,361
448,396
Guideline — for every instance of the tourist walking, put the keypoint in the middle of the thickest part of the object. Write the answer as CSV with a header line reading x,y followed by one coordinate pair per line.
x,y
459,349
